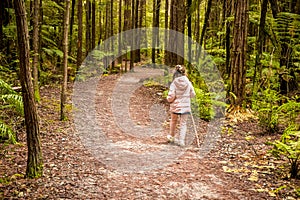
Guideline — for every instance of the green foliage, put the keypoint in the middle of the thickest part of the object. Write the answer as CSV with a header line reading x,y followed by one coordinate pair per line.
x,y
9,99
265,104
289,147
202,103
7,133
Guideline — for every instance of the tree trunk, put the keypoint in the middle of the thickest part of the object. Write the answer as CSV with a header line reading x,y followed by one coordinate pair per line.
x,y
181,19
205,24
71,26
132,55
1,24
227,36
166,29
35,161
93,24
260,41
189,25
36,53
79,40
119,36
112,32
87,28
154,32
65,61
137,56
239,50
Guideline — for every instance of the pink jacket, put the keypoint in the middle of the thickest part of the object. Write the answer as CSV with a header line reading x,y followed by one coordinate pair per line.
x,y
180,94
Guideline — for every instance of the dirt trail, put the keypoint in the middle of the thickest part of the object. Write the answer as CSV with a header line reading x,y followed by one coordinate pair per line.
x,y
98,156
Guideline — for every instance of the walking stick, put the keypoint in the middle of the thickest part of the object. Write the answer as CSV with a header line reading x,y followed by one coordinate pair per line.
x,y
197,138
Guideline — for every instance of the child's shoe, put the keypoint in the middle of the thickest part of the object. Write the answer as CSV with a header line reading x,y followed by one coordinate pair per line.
x,y
170,138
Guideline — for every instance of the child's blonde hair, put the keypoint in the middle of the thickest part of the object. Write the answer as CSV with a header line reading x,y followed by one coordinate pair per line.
x,y
179,71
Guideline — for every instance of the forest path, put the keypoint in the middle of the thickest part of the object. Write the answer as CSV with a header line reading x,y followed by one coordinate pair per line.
x,y
139,163
111,160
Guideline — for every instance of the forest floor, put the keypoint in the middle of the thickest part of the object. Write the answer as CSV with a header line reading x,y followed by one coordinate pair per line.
x,y
238,165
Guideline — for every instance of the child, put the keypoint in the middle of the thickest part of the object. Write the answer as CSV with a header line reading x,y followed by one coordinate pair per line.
x,y
180,94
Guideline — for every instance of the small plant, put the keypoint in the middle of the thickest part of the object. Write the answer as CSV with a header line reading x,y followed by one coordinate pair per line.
x,y
266,105
9,99
289,146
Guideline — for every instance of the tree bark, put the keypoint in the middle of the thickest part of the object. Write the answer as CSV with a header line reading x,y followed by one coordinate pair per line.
x,y
34,161
88,27
206,18
154,33
1,24
93,24
119,36
65,61
189,25
36,53
132,55
239,52
260,41
71,25
79,40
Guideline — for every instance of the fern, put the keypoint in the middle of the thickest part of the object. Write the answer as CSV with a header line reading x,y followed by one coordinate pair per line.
x,y
7,133
9,99
14,101
289,147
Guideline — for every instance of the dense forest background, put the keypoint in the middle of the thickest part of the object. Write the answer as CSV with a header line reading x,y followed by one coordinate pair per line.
x,y
255,44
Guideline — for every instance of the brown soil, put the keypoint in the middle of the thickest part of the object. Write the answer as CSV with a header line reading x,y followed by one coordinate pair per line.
x,y
238,167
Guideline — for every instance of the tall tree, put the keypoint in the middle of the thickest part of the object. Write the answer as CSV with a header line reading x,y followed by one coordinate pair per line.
x,y
93,24
71,25
189,25
111,32
36,41
119,35
79,39
239,50
260,41
65,61
166,27
87,27
1,23
206,18
155,35
35,160
132,54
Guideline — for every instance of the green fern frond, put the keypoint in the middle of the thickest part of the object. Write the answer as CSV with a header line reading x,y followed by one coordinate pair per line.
x,y
5,88
15,101
7,132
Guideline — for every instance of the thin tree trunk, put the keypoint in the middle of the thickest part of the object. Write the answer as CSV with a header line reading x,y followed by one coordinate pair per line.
x,y
112,32
132,56
205,24
93,24
87,30
119,36
189,25
65,62
36,39
227,36
100,24
154,32
260,41
181,19
1,24
71,26
79,40
166,29
35,160
157,18
137,55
